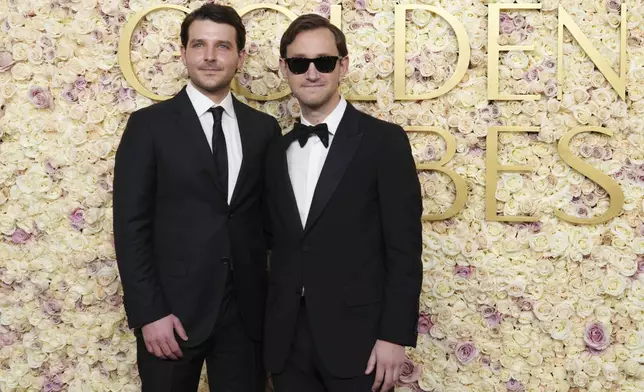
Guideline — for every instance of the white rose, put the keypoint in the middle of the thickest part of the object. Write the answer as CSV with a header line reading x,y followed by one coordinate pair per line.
x,y
543,310
516,288
593,366
580,379
560,329
631,368
564,310
610,371
614,285
604,313
539,242
585,308
384,65
21,71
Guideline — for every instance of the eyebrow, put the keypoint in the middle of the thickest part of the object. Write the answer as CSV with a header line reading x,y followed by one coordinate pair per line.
x,y
217,42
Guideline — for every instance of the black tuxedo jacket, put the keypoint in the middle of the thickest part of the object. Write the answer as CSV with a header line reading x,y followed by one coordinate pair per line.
x,y
174,232
359,256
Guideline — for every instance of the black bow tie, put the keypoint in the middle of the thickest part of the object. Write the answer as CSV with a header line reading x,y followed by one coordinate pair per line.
x,y
302,132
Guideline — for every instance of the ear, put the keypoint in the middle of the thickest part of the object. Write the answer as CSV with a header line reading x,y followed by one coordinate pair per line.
x,y
344,66
183,55
283,68
240,61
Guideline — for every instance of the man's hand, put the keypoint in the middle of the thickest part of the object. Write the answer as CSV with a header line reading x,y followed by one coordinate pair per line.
x,y
388,359
159,337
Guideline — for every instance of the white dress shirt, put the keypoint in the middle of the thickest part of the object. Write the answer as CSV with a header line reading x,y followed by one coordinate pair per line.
x,y
305,163
201,104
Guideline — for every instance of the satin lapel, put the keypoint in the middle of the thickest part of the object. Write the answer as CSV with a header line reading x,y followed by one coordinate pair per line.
x,y
189,123
244,124
345,144
289,202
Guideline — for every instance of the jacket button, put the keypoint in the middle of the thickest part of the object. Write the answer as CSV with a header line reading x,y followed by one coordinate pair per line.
x,y
230,216
225,260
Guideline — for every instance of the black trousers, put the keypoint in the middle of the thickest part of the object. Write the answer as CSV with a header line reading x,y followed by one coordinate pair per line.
x,y
233,360
304,371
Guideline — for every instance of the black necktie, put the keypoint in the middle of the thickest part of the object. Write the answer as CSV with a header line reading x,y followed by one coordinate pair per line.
x,y
302,132
219,148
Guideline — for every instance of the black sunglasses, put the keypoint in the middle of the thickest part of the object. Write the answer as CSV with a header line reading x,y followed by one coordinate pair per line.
x,y
324,64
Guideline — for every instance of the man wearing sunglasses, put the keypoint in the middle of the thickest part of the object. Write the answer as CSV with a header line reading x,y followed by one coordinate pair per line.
x,y
344,209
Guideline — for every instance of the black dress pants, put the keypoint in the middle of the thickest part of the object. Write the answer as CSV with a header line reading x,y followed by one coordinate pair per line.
x,y
304,371
233,359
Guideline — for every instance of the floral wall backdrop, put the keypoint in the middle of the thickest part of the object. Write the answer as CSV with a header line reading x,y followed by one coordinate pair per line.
x,y
542,306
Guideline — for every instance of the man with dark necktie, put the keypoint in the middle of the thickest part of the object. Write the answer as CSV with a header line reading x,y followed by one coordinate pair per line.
x,y
188,225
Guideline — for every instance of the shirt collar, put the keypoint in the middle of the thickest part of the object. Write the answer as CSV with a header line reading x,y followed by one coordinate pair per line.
x,y
202,103
333,119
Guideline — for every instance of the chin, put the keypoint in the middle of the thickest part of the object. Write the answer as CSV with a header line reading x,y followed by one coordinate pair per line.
x,y
212,87
314,102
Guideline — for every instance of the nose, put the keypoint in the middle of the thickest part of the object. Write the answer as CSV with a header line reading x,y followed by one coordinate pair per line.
x,y
312,73
210,54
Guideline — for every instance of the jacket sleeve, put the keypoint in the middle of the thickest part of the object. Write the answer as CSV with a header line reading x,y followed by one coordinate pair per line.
x,y
268,235
401,212
133,208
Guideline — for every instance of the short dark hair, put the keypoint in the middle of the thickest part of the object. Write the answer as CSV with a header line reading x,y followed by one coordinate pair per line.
x,y
308,22
219,14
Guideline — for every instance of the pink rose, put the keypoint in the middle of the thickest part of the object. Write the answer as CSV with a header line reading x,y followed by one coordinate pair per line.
x,y
77,219
70,95
40,97
52,307
595,336
244,78
53,384
463,271
7,339
20,236
324,9
640,262
252,48
466,352
613,5
531,75
487,310
494,320
519,21
589,199
80,83
126,94
598,152
550,90
430,153
475,151
6,61
514,386
113,300
410,372
507,26
424,324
